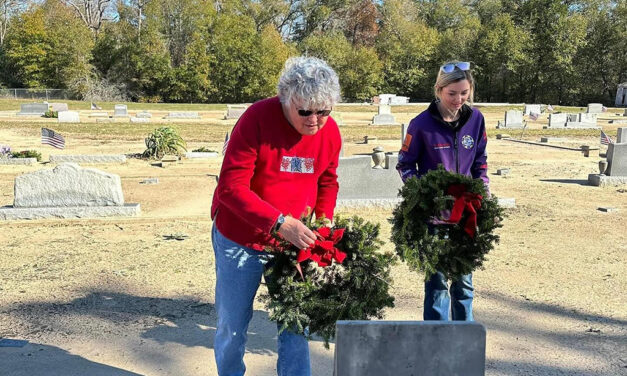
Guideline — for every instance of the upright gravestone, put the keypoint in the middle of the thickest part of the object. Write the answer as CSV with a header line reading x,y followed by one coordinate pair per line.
x,y
384,117
583,120
33,109
513,119
594,108
557,120
234,111
533,108
363,185
617,159
621,135
120,110
588,118
68,117
409,348
68,191
58,107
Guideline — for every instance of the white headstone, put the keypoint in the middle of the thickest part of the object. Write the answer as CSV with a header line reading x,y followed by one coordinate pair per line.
x,y
120,110
69,117
594,108
533,108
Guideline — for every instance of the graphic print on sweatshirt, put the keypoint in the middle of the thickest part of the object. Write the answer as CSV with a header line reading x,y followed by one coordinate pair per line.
x,y
297,165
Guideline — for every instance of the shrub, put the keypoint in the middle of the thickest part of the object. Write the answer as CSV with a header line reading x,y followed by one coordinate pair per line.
x,y
164,140
27,154
51,114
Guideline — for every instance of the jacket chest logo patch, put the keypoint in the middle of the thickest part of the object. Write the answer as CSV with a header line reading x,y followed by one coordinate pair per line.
x,y
468,142
442,145
297,165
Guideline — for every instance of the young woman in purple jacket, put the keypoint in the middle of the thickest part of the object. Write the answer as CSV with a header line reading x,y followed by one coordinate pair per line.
x,y
451,133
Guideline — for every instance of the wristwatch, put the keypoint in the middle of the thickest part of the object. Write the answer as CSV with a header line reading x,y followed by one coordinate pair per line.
x,y
278,223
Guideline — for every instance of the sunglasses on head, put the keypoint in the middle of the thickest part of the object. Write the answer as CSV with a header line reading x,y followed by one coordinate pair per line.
x,y
448,68
306,113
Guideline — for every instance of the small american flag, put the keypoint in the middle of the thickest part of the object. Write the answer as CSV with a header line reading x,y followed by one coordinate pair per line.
x,y
605,139
52,138
603,109
226,143
534,116
549,108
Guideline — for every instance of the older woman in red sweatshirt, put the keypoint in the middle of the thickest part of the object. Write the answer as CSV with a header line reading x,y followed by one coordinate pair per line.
x,y
280,160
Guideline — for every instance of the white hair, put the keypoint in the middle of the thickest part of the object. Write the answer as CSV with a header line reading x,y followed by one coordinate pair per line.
x,y
309,82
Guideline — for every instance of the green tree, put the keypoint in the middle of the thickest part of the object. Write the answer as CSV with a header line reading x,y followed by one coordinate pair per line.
x,y
358,68
406,46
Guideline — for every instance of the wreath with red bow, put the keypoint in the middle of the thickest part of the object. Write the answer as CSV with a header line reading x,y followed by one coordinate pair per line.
x,y
342,276
445,222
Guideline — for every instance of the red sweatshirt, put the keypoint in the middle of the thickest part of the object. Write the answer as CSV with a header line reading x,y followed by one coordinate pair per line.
x,y
269,168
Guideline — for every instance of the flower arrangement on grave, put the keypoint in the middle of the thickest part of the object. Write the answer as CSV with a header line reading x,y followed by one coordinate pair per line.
x,y
342,276
445,222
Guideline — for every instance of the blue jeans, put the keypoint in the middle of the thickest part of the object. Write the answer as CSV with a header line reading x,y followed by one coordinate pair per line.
x,y
438,301
238,275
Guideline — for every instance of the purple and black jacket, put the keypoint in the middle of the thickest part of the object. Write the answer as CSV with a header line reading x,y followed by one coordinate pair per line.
x,y
431,141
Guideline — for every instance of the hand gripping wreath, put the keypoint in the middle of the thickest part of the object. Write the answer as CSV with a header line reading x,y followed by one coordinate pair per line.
x,y
445,223
342,276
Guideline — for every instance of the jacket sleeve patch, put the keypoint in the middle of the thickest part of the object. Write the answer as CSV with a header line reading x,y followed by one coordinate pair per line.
x,y
406,142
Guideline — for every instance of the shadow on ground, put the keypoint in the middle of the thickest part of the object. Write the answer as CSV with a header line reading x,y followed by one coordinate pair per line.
x,y
43,360
593,336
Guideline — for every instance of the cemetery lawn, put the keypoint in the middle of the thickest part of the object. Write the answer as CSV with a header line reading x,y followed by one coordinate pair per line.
x,y
122,296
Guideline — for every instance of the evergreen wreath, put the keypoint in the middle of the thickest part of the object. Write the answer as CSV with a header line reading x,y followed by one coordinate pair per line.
x,y
343,276
430,239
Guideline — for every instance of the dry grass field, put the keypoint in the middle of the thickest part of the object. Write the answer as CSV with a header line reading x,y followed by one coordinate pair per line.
x,y
115,296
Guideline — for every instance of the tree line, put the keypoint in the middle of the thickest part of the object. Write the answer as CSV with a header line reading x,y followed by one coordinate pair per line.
x,y
230,51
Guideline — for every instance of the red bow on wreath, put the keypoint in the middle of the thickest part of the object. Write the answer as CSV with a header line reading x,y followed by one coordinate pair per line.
x,y
465,201
323,251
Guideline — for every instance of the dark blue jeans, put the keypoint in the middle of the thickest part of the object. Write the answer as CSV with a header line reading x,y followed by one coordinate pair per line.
x,y
438,300
238,275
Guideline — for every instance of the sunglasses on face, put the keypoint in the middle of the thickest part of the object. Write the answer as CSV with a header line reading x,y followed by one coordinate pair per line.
x,y
307,113
448,68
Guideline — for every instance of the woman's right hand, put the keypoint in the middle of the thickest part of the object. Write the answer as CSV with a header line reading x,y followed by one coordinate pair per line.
x,y
295,232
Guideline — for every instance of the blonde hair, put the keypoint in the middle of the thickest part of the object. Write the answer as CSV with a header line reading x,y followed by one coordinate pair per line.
x,y
444,79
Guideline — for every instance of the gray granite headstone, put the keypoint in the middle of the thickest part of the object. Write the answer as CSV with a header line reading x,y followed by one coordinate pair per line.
x,y
33,109
409,348
120,110
360,184
234,111
594,108
533,108
68,185
616,159
144,115
69,117
621,135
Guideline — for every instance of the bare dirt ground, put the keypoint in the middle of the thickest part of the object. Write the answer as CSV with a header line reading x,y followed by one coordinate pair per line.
x,y
114,296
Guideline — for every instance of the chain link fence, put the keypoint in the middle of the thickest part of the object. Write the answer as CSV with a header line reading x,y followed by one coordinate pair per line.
x,y
36,94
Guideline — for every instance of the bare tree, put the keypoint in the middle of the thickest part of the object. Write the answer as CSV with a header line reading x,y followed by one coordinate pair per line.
x,y
92,12
8,9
